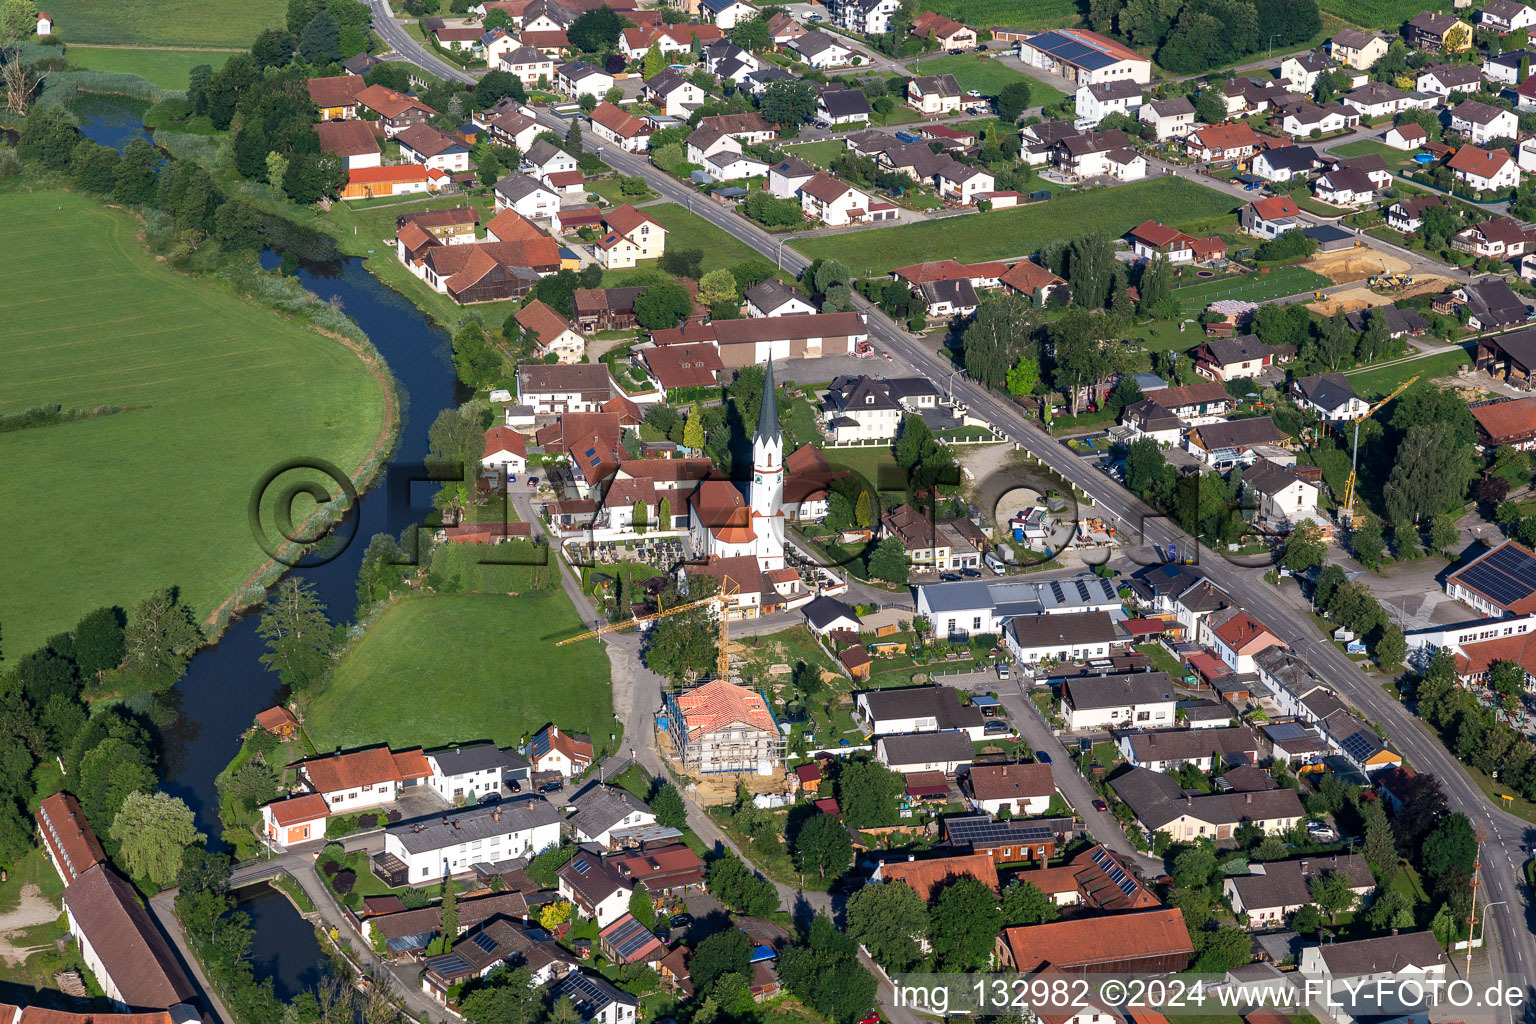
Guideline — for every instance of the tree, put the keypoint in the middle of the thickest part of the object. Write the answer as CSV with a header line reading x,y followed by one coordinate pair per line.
x,y
1305,548
1430,473
507,996
888,562
1024,376
654,62
596,31
662,306
716,287
1442,532
18,20
862,515
963,924
1144,466
1210,106
1366,541
152,831
99,643
448,915
1308,920
693,429
1450,846
734,884
822,846
1380,845
751,34
725,952
1012,100
277,169
889,919
1157,288
1391,646
497,85
667,804
555,913
642,905
1390,909
160,639
788,102
685,644
1332,893
1193,868
867,792
1001,334
300,638
1024,903
1223,949
321,42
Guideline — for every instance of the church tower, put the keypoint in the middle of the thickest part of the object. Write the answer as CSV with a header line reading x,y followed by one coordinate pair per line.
x,y
767,491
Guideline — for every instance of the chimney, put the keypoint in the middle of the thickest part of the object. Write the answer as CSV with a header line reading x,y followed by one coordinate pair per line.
x,y
455,824
1247,798
496,814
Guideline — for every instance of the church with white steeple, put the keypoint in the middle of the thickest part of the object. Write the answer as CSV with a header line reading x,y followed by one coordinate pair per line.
x,y
725,524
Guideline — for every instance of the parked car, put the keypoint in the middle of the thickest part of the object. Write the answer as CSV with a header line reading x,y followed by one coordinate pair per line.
x,y
996,726
949,577
1042,757
1100,805
1322,831
551,787
1002,670
682,920
971,574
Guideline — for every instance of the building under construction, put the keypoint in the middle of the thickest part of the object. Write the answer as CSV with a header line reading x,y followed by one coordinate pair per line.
x,y
723,727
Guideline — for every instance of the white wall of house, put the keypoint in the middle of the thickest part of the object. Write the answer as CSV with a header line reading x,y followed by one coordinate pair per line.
x,y
431,865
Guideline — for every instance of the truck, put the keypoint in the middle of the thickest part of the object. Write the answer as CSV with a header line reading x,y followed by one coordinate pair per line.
x,y
909,137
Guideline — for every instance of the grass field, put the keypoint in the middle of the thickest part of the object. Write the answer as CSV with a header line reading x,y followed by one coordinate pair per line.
x,y
1373,13
1277,284
819,153
166,22
166,68
987,76
1383,380
491,667
1011,13
1022,230
687,230
215,392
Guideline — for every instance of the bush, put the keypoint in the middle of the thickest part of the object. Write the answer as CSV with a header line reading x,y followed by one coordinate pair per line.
x,y
343,881
367,821
331,868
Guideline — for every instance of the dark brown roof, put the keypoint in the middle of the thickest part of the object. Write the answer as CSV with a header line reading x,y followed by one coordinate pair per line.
x,y
139,962
1285,883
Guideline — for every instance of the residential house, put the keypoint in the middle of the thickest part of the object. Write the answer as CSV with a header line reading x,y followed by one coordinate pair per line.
x,y
475,771
949,34
121,946
423,144
496,44
353,141
725,14
605,813
1171,119
1330,396
1276,889
506,451
783,28
1377,100
826,199
579,78
551,332
1222,142
443,846
1024,790
772,297
531,66
1168,750
1398,322
819,50
949,300
1074,636
1439,33
554,750
619,127
466,41
1448,79
1096,101
490,945
1345,186
724,727
865,17
968,607
1505,16
1407,215
932,545
1357,48
1148,419
872,408
1408,136
528,197
1143,700
1308,120
1362,964
1205,402
1225,445
544,158
673,92
294,820
396,111
1481,123
363,778
1505,68
1224,359
1492,305
843,106
1484,170
1152,941
934,94
964,183
1159,805
1286,162
912,709
336,97
1500,239
947,752
684,366
1100,154
1031,279
827,615
596,999
513,128
632,235
595,887
1084,57
1300,71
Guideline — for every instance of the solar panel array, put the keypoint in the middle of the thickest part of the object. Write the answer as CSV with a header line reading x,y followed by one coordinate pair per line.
x,y
1360,746
1072,51
485,942
448,965
631,940
581,867
1505,575
986,832
1116,873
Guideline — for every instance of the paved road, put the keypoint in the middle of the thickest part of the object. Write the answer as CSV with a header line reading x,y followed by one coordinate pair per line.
x,y
393,33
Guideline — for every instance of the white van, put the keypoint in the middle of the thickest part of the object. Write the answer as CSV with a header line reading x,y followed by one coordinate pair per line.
x,y
995,564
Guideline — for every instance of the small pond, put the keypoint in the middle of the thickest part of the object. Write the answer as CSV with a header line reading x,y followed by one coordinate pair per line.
x,y
111,120
284,947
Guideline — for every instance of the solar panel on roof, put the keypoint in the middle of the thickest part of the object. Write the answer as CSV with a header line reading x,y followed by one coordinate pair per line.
x,y
1515,562
1128,885
485,942
581,867
1360,746
448,964
1057,592
1497,585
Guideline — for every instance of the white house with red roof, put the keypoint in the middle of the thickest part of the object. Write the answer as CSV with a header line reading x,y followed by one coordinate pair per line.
x,y
623,129
44,23
1270,217
1239,638
632,235
297,819
363,778
552,750
505,450
723,727
832,202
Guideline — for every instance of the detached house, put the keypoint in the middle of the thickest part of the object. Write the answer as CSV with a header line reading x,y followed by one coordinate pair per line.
x,y
948,33
1270,217
1346,186
1024,790
595,887
1448,79
423,144
917,709
1096,101
835,204
551,333
934,94
336,97
1282,495
819,50
396,111
1141,700
619,127
1222,142
673,93
1169,118
1484,170
1308,118
506,450
1300,71
1481,123
844,106
529,198
579,78
1168,750
473,772
1438,32
605,813
531,66
1238,638
1357,48
1500,239
1405,136
441,847
363,778
1407,215
1274,890
552,750
1505,16
633,235
1330,396
1224,359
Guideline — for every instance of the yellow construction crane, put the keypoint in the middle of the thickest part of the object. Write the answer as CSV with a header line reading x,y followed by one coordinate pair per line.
x,y
1354,458
728,589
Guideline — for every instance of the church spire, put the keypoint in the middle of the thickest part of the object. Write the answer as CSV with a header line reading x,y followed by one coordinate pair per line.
x,y
768,411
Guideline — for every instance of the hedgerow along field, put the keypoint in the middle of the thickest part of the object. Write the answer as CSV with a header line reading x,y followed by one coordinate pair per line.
x,y
1011,13
166,22
214,390
501,675
1022,230
168,69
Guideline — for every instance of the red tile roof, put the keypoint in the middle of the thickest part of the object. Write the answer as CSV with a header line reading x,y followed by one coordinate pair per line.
x,y
544,322
386,175
925,876
1029,277
347,138
684,366
1516,419
351,771
68,835
620,122
511,226
1011,781
718,703
1275,207
625,219
296,809
1086,942
1223,137
277,718
504,439
387,102
1242,631
335,92
1478,162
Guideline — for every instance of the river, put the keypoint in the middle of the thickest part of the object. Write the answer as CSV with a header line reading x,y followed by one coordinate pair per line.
x,y
284,947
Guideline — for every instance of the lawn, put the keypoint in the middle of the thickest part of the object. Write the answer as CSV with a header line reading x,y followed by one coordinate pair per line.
x,y
1367,147
819,153
166,22
1383,380
166,68
1012,13
489,663
154,495
986,75
1373,13
1020,231
687,230
1260,287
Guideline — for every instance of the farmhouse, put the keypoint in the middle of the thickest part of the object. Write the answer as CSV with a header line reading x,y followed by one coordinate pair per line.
x,y
363,778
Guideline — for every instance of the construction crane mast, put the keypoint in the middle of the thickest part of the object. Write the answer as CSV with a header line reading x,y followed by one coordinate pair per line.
x,y
1354,458
720,601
